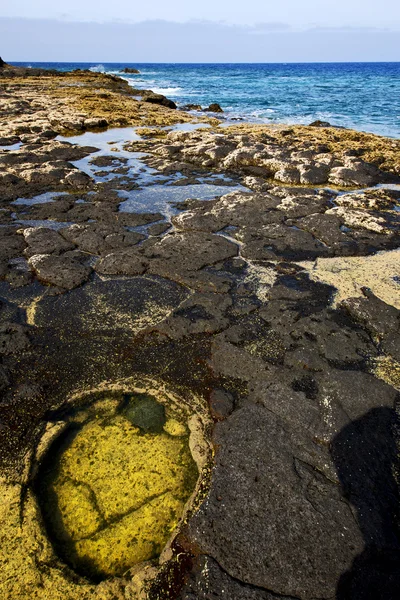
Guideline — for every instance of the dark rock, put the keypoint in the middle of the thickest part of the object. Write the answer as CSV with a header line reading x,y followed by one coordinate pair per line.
x,y
293,407
229,360
208,581
123,239
200,313
13,338
296,534
130,70
9,140
122,262
319,123
221,404
158,228
42,240
61,271
89,238
255,335
121,306
192,107
4,379
138,219
381,320
355,392
214,107
159,99
188,251
107,161
145,412
78,179
11,244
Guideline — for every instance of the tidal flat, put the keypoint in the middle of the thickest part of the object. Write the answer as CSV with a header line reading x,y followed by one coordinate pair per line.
x,y
200,351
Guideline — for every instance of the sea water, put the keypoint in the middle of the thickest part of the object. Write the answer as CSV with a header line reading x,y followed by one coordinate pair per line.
x,y
362,96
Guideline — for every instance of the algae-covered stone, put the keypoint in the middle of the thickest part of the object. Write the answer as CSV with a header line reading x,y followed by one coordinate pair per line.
x,y
115,488
146,413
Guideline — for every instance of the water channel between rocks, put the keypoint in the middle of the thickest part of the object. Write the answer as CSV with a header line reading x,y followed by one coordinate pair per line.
x,y
155,191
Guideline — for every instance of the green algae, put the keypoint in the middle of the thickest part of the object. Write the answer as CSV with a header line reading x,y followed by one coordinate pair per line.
x,y
145,412
114,486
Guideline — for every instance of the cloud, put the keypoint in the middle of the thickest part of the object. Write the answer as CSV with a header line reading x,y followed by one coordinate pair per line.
x,y
352,28
193,41
273,26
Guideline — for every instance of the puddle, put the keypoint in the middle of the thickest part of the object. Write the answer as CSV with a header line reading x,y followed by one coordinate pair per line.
x,y
103,140
187,126
152,195
111,143
56,225
379,186
160,197
41,199
12,148
115,483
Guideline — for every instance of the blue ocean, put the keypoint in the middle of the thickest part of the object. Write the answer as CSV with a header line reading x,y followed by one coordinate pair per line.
x,y
363,96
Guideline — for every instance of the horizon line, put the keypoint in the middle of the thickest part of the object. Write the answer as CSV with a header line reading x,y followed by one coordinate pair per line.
x,y
309,62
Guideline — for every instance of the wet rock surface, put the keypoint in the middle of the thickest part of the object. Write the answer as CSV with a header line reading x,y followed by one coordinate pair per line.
x,y
275,306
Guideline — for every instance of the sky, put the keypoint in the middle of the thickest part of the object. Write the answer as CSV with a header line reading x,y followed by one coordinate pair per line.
x,y
356,13
207,31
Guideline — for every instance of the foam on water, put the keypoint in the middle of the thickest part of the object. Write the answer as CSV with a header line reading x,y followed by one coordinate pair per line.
x,y
98,69
167,91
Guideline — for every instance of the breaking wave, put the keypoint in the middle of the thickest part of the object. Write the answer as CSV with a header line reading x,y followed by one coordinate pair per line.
x,y
98,69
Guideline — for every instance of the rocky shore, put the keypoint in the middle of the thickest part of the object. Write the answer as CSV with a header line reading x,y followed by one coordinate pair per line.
x,y
248,274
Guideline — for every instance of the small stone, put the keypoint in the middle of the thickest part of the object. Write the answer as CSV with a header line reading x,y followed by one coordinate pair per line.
x,y
221,404
146,413
78,179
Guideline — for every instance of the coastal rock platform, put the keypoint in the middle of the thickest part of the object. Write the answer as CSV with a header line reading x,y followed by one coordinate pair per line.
x,y
249,273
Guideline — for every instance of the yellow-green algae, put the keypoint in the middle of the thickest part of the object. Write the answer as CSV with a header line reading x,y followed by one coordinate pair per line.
x,y
386,368
112,493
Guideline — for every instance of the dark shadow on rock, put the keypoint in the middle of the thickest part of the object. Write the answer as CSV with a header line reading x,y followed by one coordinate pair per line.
x,y
366,456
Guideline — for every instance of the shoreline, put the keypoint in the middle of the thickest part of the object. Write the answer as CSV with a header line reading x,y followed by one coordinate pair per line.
x,y
220,264
272,93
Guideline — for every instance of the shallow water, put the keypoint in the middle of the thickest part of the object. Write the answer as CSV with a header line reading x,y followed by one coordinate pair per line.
x,y
41,199
111,143
160,197
12,148
56,225
114,485
152,196
103,140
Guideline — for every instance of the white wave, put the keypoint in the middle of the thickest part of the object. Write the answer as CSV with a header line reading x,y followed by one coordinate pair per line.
x,y
98,69
167,91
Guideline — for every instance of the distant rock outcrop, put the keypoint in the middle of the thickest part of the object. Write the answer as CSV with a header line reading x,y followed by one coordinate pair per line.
x,y
192,107
3,64
130,70
319,123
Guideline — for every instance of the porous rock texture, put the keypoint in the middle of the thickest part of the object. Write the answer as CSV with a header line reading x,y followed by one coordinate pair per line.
x,y
242,302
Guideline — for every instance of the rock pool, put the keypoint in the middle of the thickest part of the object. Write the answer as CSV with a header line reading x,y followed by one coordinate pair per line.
x,y
114,485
